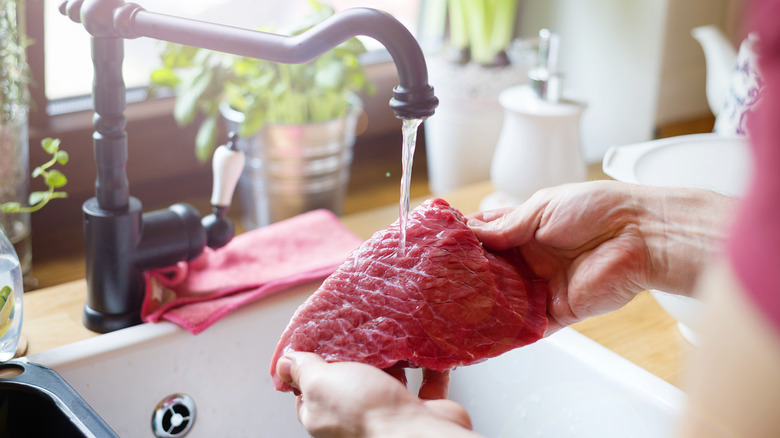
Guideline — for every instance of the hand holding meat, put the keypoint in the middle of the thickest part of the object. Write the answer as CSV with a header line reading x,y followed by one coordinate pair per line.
x,y
598,244
349,399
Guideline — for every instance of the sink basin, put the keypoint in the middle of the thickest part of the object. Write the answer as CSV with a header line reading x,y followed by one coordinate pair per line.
x,y
565,385
30,392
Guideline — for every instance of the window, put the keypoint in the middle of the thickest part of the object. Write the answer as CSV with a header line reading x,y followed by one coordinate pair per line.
x,y
67,43
162,166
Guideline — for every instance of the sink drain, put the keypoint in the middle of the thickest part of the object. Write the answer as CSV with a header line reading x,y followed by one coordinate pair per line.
x,y
173,416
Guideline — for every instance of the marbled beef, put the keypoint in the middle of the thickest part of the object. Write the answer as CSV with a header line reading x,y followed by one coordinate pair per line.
x,y
448,302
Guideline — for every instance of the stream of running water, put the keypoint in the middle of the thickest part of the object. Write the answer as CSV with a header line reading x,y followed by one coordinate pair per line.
x,y
409,144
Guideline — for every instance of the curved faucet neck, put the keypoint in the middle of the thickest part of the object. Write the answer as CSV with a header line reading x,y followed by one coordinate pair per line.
x,y
413,97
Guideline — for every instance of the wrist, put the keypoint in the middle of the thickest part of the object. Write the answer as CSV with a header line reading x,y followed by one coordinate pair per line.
x,y
683,228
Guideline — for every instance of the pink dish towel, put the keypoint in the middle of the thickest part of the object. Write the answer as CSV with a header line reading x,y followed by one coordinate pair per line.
x,y
253,265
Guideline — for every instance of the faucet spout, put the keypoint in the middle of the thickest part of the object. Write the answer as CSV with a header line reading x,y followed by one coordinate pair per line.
x,y
412,98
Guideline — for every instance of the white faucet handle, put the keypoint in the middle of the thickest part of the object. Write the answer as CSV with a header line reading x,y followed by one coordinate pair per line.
x,y
227,165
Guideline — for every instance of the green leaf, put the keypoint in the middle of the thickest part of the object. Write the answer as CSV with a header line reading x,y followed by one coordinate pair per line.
x,y
50,145
459,29
246,67
190,92
236,97
37,197
205,141
38,171
62,157
253,121
165,77
11,207
329,76
178,56
55,179
351,46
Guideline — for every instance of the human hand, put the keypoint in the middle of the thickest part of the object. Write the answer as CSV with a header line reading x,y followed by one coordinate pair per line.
x,y
598,244
348,399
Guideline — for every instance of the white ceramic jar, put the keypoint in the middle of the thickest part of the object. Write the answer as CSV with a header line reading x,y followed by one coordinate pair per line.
x,y
539,146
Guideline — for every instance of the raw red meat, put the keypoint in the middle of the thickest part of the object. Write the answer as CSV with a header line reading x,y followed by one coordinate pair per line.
x,y
448,302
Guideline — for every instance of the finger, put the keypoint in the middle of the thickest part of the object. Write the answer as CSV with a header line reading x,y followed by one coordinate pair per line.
x,y
284,369
552,326
435,385
293,368
559,307
488,215
450,411
299,407
513,228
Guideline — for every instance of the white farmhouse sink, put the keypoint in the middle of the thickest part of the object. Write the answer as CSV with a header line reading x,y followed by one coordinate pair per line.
x,y
565,385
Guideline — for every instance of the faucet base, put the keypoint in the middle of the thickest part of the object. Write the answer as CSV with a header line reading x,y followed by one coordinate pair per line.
x,y
114,283
103,322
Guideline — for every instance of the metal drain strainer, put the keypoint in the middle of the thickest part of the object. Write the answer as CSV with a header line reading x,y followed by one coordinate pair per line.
x,y
173,417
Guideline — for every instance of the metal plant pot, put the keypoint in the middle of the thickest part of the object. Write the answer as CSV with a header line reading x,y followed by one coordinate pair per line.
x,y
291,169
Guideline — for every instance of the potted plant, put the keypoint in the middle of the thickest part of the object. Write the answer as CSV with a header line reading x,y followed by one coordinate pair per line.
x,y
14,101
480,31
468,73
11,267
296,123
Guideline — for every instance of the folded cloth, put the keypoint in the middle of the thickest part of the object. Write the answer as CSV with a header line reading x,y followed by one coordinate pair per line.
x,y
253,265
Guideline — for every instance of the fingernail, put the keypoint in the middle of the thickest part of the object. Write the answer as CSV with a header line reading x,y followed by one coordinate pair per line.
x,y
284,369
475,223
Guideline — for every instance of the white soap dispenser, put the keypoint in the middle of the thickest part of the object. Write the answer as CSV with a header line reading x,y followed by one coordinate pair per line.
x,y
539,144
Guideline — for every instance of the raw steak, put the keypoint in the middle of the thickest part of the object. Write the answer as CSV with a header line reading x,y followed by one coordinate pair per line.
x,y
448,302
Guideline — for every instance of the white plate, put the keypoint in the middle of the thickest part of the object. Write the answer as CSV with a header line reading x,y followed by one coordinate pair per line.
x,y
707,161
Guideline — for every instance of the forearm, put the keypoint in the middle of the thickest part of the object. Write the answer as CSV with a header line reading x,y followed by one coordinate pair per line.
x,y
683,229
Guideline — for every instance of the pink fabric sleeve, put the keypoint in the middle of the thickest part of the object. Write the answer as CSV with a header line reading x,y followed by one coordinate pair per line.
x,y
754,245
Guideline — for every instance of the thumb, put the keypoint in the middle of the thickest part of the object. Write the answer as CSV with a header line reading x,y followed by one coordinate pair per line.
x,y
294,366
435,385
450,411
511,229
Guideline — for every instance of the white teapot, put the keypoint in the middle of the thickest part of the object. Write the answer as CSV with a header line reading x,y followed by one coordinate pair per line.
x,y
720,57
733,81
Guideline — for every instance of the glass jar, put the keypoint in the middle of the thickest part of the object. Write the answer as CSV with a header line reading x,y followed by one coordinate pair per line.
x,y
15,182
10,299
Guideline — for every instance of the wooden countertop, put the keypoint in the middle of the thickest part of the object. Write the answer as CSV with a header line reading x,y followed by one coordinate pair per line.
x,y
640,332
